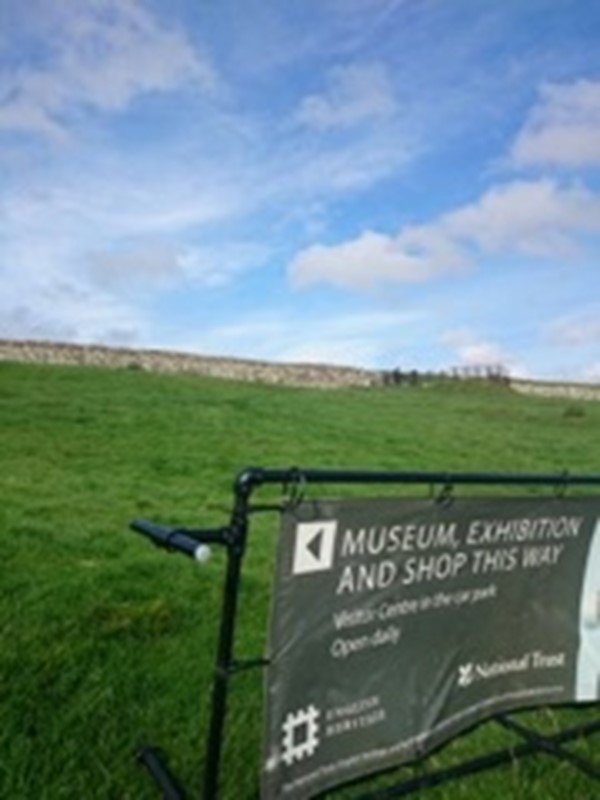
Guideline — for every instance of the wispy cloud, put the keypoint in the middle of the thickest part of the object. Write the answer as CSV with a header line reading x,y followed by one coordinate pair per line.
x,y
153,265
359,338
574,337
563,128
96,55
576,329
354,94
82,256
592,373
43,304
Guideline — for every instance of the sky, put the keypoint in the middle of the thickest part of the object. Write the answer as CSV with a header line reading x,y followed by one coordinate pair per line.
x,y
376,183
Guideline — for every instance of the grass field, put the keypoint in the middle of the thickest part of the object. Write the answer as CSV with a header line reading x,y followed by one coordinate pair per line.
x,y
108,642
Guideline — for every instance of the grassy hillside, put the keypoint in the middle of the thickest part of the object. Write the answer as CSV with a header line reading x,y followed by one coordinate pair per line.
x,y
107,642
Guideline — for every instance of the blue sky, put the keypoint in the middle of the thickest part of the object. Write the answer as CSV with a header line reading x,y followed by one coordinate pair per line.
x,y
379,183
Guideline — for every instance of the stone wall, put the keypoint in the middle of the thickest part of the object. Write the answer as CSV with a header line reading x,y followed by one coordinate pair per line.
x,y
571,391
318,375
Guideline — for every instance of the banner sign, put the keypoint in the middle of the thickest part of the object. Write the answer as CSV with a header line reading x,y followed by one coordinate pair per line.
x,y
397,624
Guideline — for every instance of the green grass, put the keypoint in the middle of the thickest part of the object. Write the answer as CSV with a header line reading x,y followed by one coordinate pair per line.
x,y
108,642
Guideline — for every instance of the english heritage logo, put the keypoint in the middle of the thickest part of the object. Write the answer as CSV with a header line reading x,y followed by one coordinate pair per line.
x,y
300,734
314,547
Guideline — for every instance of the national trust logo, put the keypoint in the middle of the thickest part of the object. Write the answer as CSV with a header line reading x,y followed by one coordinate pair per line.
x,y
466,675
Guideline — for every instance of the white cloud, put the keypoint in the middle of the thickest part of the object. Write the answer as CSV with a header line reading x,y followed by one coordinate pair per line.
x,y
98,54
220,265
46,305
374,257
578,329
472,350
152,265
360,339
563,129
539,218
147,265
27,114
115,199
81,255
315,170
354,94
47,292
592,373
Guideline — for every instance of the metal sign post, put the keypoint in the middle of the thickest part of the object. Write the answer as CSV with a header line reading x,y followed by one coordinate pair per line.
x,y
360,557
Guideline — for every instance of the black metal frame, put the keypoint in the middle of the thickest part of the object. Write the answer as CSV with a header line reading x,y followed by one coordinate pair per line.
x,y
233,537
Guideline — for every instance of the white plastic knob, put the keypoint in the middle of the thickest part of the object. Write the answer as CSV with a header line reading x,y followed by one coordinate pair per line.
x,y
202,553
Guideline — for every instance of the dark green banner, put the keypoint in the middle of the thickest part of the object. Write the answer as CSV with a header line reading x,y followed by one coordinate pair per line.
x,y
397,624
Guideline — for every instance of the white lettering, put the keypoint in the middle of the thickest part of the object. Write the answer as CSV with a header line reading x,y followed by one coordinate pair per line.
x,y
433,567
367,577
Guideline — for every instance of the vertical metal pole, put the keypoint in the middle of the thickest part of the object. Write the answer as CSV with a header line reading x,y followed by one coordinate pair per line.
x,y
235,553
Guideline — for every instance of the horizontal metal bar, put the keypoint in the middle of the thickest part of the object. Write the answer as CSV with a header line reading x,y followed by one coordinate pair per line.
x,y
487,761
253,477
549,746
241,665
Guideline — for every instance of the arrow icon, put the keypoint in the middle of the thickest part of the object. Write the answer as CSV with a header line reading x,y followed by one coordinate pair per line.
x,y
314,546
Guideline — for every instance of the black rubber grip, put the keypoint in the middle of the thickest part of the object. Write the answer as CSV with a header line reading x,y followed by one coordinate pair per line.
x,y
169,538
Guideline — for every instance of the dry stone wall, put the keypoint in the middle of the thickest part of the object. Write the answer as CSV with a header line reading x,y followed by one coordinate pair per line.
x,y
572,391
317,375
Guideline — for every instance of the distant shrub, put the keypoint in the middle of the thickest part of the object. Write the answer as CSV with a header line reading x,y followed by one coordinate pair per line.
x,y
574,411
